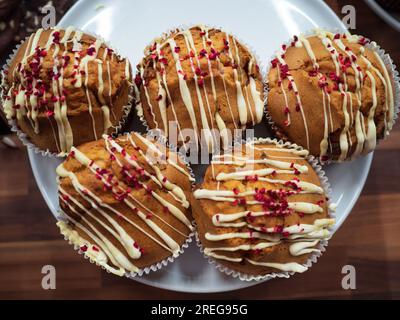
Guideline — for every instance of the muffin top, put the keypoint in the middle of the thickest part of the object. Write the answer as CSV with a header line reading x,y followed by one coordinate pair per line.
x,y
125,202
331,94
202,79
62,81
261,209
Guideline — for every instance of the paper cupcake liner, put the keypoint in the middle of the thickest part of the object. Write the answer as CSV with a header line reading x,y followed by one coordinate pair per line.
x,y
182,27
154,267
323,243
13,124
389,64
392,69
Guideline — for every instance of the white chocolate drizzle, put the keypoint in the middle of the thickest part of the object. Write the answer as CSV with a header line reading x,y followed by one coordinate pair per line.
x,y
242,226
108,217
288,267
30,101
354,121
201,103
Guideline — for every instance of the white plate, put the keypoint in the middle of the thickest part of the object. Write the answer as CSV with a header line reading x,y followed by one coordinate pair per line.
x,y
131,25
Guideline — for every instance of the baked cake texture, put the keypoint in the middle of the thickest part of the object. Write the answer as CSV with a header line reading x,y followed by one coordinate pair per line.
x,y
125,202
64,88
262,209
331,94
203,79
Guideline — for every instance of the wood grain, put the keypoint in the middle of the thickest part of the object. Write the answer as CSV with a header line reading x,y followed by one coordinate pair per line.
x,y
369,239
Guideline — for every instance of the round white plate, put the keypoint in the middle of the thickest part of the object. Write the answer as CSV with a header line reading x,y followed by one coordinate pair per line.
x,y
264,25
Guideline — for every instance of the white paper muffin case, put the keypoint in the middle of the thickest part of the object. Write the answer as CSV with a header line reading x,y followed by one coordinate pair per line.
x,y
387,60
322,245
157,266
180,28
23,137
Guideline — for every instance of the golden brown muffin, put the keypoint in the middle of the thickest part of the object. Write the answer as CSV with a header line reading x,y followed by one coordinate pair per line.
x,y
202,79
331,94
261,209
65,88
125,202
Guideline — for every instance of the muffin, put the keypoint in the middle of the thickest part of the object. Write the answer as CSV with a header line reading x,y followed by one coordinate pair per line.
x,y
332,94
64,88
125,203
262,210
201,79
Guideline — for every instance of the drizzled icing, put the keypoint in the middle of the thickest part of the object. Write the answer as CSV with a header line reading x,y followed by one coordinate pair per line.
x,y
29,98
99,225
91,251
266,194
348,62
199,68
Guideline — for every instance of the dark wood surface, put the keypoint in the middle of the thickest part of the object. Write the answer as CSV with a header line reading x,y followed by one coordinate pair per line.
x,y
368,240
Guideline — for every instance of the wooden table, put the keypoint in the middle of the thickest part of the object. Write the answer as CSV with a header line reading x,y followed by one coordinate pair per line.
x,y
368,240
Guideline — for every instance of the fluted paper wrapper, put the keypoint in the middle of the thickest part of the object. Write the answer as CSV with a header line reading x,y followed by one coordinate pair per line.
x,y
157,266
388,62
180,28
314,256
13,123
